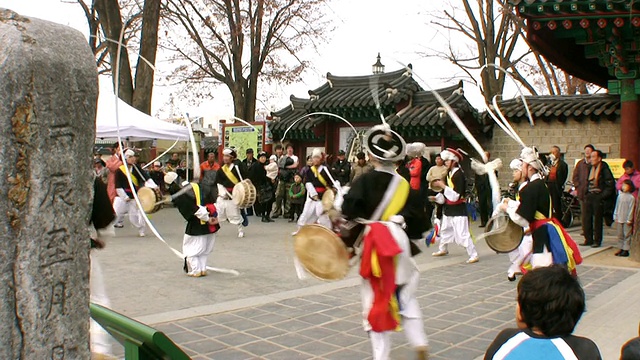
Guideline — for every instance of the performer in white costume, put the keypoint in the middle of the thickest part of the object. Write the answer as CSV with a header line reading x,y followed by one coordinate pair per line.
x,y
389,274
455,223
317,181
124,202
202,225
228,176
522,254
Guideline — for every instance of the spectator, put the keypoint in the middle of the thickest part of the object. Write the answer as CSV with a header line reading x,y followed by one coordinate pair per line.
x,y
208,172
157,175
631,349
437,172
361,166
558,172
249,160
101,170
264,187
580,182
341,169
113,164
272,168
483,190
630,173
306,168
287,165
550,304
600,187
174,161
623,216
297,194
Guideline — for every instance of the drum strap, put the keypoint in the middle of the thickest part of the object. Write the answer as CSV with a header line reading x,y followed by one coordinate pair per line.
x,y
196,192
317,174
227,171
134,179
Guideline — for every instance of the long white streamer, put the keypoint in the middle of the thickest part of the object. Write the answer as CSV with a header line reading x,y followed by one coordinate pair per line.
x,y
317,113
524,100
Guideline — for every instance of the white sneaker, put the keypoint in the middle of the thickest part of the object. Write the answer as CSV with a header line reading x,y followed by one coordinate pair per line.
x,y
294,233
141,234
473,260
440,253
241,234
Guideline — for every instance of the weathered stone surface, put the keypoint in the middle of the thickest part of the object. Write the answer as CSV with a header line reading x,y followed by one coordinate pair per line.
x,y
48,96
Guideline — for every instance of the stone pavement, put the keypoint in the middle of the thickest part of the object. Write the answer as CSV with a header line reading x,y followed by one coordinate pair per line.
x,y
464,308
267,313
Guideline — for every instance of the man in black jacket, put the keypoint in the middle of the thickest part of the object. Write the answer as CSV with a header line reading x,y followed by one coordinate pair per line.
x,y
601,186
341,169
558,173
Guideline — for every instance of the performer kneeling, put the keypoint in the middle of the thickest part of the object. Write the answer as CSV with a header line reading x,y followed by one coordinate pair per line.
x,y
455,223
551,242
202,225
390,275
317,181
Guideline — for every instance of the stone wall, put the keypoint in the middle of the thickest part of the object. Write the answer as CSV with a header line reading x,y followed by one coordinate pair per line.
x,y
570,136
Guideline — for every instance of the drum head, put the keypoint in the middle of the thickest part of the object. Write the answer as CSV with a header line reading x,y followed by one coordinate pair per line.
x,y
328,199
147,199
239,193
503,235
321,252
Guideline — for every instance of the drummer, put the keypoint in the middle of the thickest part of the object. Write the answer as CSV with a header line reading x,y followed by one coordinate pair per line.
x,y
522,255
124,202
551,243
227,177
388,297
202,225
317,181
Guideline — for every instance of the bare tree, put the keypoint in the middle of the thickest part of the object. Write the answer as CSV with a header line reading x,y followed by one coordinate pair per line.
x,y
140,25
495,35
239,43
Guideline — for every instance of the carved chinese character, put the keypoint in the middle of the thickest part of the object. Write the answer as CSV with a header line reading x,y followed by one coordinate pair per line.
x,y
58,192
58,298
61,135
57,353
57,247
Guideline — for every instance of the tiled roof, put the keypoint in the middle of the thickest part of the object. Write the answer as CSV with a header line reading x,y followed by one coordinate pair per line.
x,y
358,91
424,110
563,107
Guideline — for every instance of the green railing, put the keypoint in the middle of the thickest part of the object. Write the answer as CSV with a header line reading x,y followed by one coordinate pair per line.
x,y
141,342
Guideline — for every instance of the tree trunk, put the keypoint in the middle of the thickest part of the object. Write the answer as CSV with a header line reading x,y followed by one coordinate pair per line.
x,y
144,73
111,22
48,97
238,101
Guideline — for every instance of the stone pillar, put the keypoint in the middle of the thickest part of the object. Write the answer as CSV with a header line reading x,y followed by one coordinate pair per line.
x,y
629,123
48,97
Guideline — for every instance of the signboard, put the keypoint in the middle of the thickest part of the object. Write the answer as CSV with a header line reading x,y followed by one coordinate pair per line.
x,y
243,138
616,166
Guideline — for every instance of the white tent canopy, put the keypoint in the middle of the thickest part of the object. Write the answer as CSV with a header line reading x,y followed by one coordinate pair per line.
x,y
134,125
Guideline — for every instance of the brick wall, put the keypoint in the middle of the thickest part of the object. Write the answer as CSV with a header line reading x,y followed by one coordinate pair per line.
x,y
570,136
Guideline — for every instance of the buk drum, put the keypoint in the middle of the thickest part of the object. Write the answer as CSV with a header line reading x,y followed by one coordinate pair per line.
x,y
502,234
328,199
150,199
244,194
321,252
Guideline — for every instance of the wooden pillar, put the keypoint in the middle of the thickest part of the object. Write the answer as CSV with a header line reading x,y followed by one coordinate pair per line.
x,y
629,123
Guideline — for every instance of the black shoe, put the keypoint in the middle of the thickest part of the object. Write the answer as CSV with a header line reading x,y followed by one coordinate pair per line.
x,y
511,278
483,225
275,216
595,245
586,244
624,253
618,252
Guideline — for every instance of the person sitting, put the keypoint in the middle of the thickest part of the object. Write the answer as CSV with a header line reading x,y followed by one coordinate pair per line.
x,y
550,303
631,349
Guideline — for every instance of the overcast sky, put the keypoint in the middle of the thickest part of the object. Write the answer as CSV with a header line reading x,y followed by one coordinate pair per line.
x,y
399,30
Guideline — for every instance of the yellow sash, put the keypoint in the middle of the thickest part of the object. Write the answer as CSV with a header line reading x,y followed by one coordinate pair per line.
x,y
196,192
317,174
449,182
398,201
229,173
124,170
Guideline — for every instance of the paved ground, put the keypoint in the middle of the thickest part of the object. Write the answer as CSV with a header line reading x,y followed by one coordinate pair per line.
x,y
266,313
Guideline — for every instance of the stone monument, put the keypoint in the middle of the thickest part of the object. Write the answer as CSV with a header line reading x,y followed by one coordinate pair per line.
x,y
48,97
